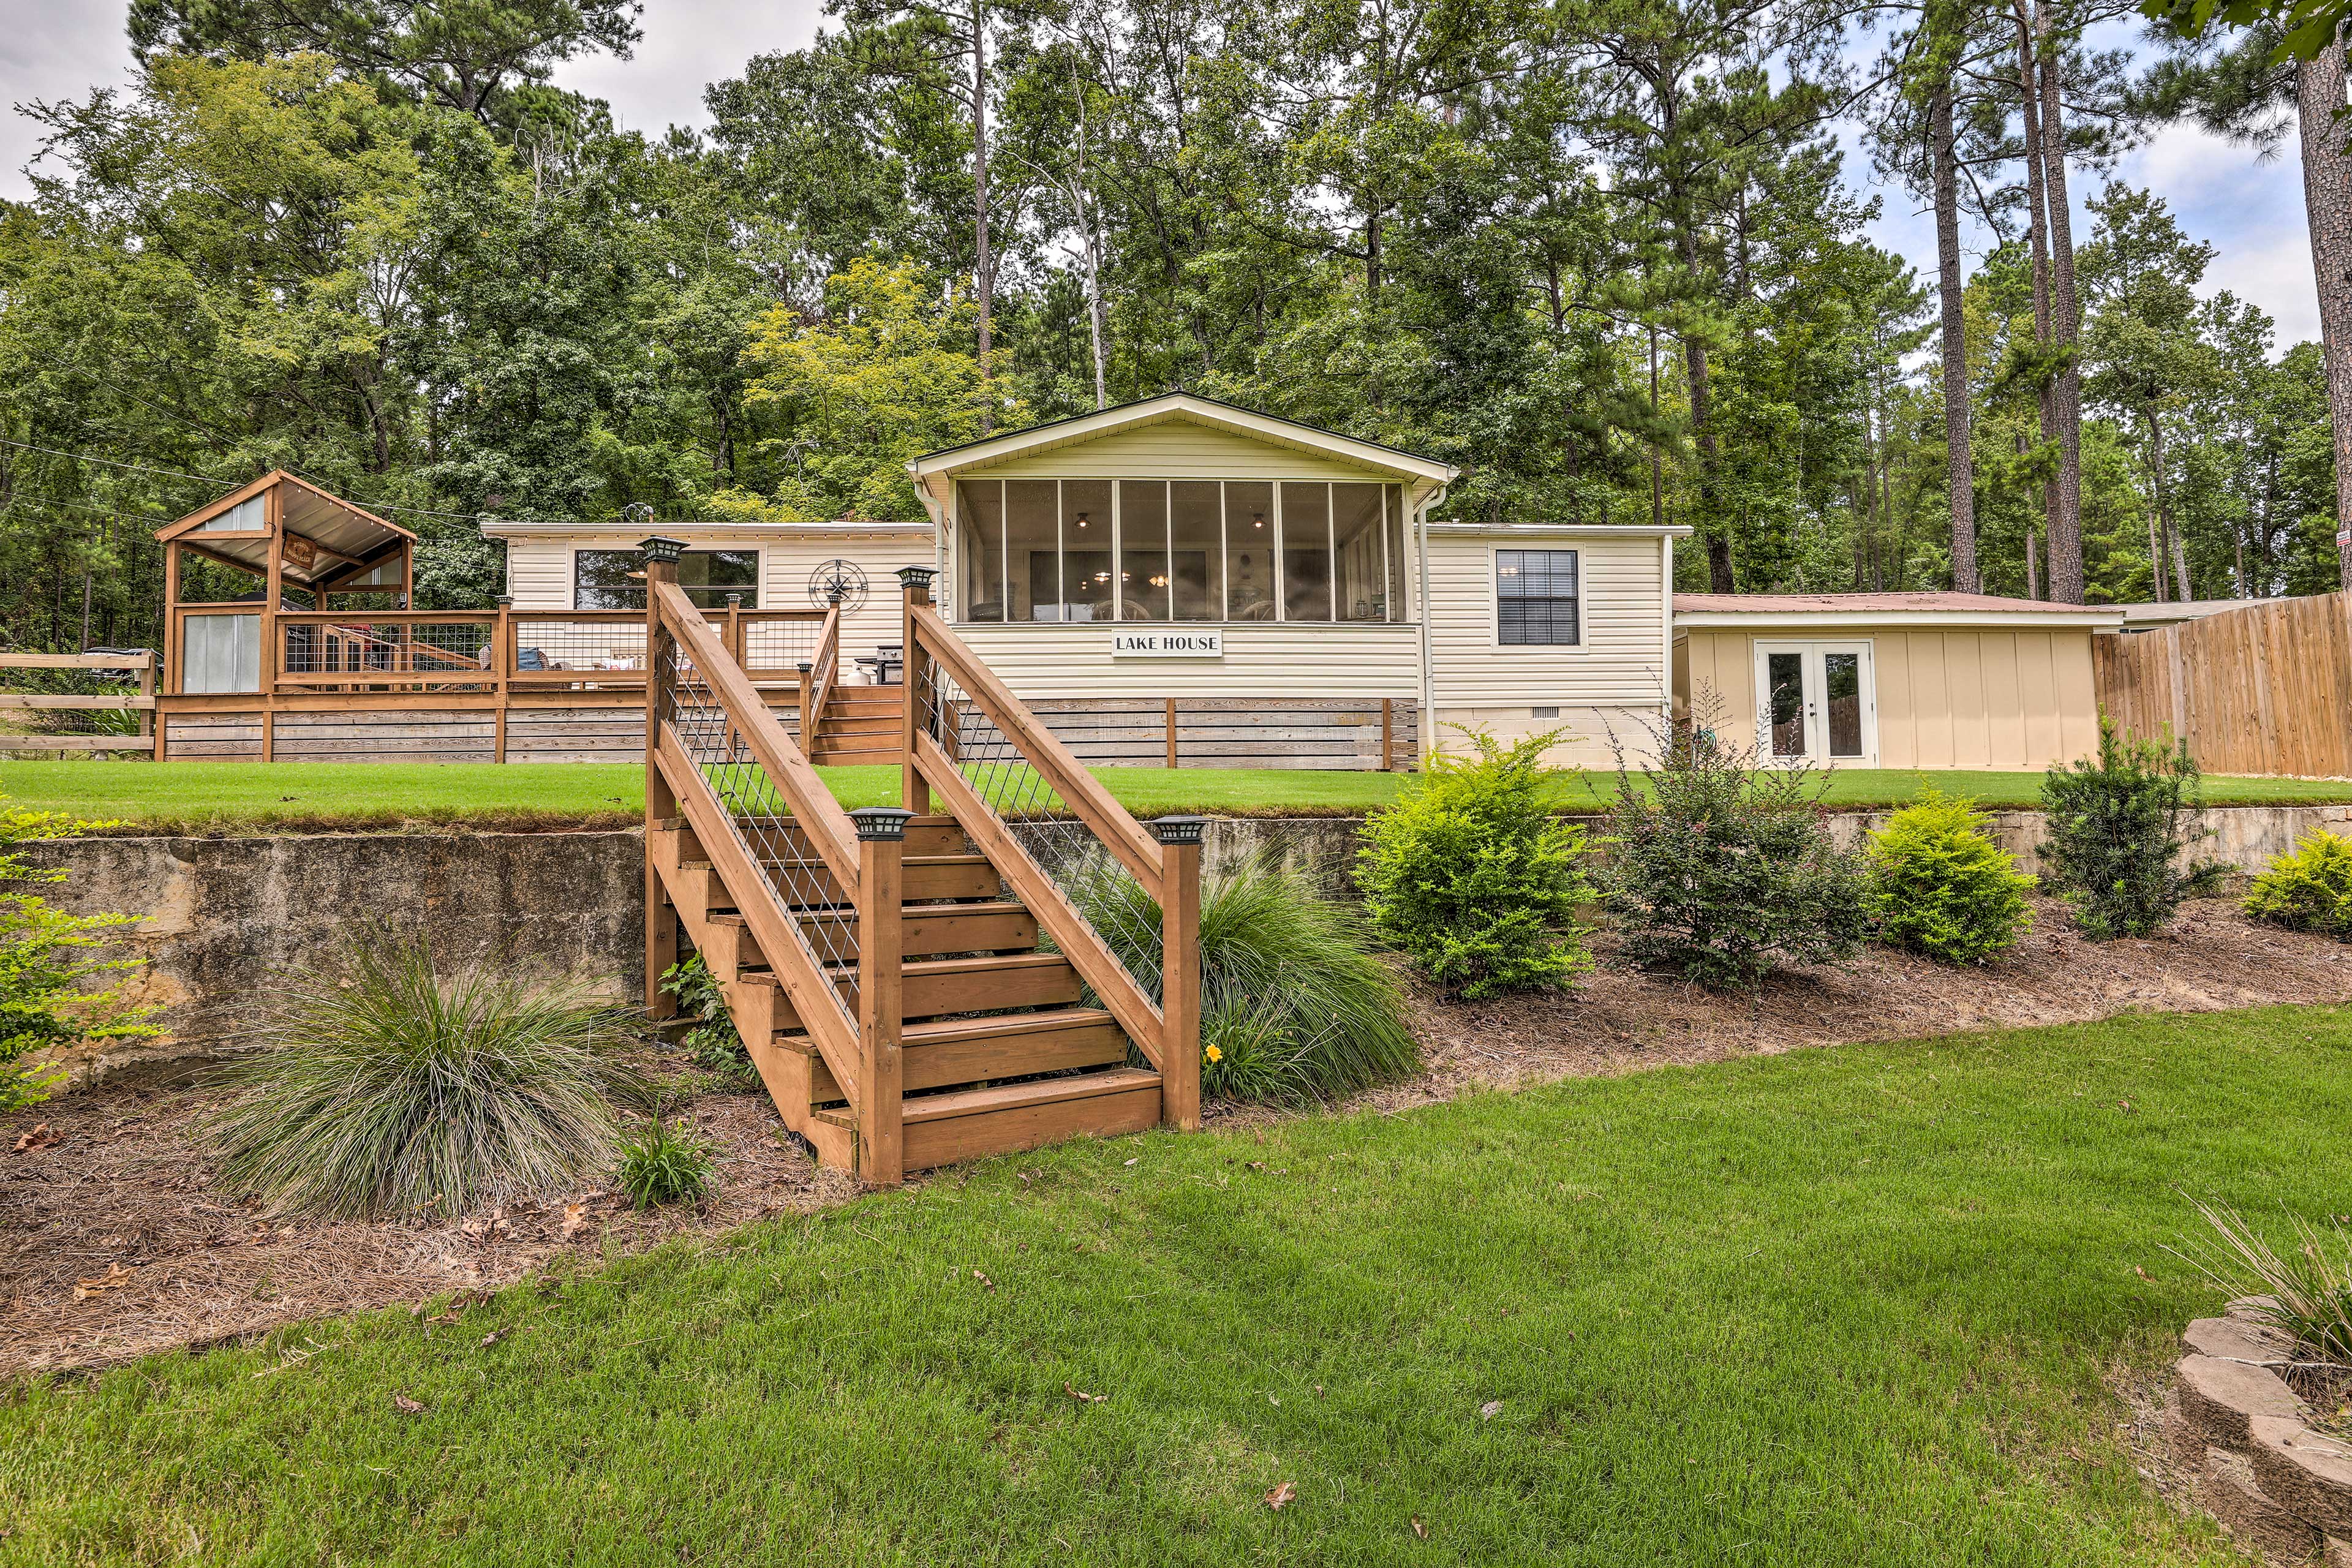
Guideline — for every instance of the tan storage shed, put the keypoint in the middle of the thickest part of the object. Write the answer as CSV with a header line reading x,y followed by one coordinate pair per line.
x,y
1891,681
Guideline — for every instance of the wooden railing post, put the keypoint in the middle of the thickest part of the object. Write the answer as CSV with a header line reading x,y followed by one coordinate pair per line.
x,y
502,663
913,792
1180,969
881,1078
807,724
661,802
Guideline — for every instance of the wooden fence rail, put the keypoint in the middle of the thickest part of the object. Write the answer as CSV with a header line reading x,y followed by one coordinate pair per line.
x,y
36,720
2264,690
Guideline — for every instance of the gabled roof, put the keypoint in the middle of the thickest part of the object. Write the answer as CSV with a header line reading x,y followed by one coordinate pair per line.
x,y
1188,408
345,535
1882,610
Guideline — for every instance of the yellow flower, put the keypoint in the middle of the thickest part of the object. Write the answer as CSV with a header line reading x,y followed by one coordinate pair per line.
x,y
1213,1054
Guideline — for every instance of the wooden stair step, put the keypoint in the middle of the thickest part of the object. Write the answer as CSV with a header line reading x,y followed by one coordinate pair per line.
x,y
927,878
930,987
942,1053
997,926
969,1123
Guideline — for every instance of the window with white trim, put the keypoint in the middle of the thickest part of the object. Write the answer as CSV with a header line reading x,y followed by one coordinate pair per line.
x,y
1536,597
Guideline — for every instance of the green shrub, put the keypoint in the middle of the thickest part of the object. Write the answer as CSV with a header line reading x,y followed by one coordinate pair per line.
x,y
2119,830
1940,886
1292,991
711,1041
2310,887
1722,871
60,983
1473,879
668,1164
389,1089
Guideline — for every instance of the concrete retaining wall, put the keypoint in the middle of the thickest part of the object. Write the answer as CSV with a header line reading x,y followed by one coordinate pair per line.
x,y
225,917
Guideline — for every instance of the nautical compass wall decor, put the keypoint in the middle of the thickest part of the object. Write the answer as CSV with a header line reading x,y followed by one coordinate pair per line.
x,y
837,581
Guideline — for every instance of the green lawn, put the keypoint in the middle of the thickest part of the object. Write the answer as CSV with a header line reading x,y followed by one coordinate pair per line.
x,y
210,796
1847,1307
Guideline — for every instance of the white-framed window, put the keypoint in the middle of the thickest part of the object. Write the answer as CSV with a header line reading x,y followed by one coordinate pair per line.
x,y
616,579
1538,598
1179,549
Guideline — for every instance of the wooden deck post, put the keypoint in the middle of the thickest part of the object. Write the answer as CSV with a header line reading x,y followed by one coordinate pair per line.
x,y
502,663
1180,969
881,1076
1388,734
807,736
1172,732
661,802
913,792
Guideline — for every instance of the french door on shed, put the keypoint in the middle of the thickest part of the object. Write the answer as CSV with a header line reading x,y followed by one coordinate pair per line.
x,y
1817,702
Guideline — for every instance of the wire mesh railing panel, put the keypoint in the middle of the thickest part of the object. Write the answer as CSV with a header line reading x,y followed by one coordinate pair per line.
x,y
761,818
1112,902
779,644
556,642
360,648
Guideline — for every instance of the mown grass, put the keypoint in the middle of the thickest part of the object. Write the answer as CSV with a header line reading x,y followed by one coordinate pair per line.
x,y
1848,1306
210,797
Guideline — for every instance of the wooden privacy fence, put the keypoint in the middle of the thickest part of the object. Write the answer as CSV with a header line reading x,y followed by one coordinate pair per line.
x,y
2266,689
33,716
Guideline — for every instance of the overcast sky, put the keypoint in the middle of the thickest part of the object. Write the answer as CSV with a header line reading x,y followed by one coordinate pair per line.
x,y
2250,212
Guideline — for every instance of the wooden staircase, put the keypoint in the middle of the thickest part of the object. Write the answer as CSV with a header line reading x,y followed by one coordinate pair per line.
x,y
914,989
860,725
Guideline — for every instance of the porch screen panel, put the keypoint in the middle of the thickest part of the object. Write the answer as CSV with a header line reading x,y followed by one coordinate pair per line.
x,y
1360,554
1393,523
979,549
1196,547
1089,569
1307,552
1144,587
1249,551
1033,549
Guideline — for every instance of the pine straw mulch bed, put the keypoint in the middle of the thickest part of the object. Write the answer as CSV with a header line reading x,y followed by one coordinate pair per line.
x,y
113,1243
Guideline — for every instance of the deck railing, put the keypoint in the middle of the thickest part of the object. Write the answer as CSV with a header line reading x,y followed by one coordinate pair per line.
x,y
1060,840
718,758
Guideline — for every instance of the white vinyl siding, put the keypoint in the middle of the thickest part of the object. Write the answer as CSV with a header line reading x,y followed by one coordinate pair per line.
x,y
1263,658
1612,683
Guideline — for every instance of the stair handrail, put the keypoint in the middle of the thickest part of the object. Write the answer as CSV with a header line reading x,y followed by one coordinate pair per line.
x,y
862,1059
826,664
1165,859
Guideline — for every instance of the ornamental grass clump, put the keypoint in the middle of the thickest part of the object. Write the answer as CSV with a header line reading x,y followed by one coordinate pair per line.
x,y
2309,888
2120,823
1939,885
1296,1002
391,1089
1473,879
1722,871
2304,1292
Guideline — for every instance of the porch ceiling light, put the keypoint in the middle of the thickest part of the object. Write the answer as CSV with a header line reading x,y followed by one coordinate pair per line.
x,y
1082,520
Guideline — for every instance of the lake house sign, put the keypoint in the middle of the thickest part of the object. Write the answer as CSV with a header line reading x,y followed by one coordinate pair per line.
x,y
1168,645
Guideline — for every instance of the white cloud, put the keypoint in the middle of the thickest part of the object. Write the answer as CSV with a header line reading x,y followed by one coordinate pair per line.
x,y
686,47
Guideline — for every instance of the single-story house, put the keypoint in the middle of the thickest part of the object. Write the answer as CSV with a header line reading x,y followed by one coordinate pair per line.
x,y
1892,681
1251,585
